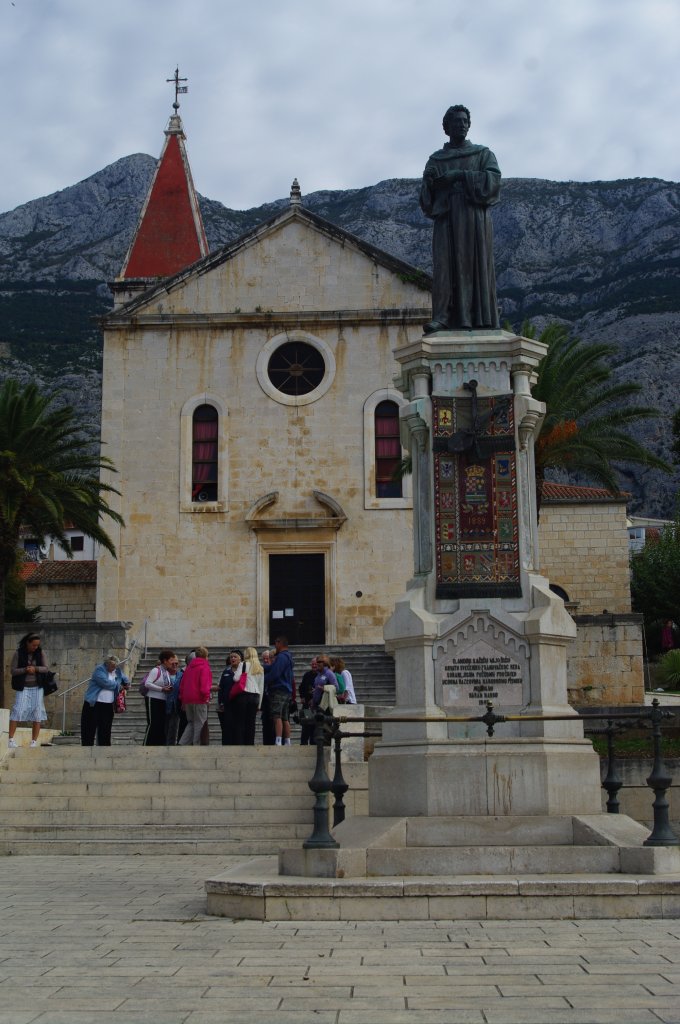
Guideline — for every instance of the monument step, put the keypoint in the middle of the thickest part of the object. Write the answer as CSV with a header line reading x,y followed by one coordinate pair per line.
x,y
493,860
256,891
494,830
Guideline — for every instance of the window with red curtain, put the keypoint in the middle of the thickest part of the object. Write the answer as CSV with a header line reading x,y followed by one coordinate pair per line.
x,y
387,450
204,454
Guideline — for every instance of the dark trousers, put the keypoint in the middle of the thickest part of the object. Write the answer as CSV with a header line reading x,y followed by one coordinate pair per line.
x,y
268,734
225,726
242,715
96,722
155,730
307,733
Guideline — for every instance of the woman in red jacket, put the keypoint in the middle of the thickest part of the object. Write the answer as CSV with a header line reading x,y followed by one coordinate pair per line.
x,y
194,693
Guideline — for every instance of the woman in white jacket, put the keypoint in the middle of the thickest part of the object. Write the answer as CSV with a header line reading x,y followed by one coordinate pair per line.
x,y
245,704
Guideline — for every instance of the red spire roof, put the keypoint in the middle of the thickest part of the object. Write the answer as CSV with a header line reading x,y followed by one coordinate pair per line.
x,y
170,233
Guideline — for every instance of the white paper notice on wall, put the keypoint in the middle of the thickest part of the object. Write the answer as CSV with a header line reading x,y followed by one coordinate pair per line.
x,y
289,613
277,615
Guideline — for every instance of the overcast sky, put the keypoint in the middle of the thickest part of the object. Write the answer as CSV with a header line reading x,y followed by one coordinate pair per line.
x,y
339,94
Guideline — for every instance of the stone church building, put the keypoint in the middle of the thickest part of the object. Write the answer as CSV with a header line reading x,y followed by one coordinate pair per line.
x,y
250,407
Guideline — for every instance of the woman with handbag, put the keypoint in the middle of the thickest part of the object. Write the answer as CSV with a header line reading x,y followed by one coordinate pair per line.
x,y
250,699
96,718
29,670
229,691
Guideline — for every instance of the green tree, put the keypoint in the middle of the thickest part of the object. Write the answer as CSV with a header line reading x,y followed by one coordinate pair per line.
x,y
655,576
49,476
585,429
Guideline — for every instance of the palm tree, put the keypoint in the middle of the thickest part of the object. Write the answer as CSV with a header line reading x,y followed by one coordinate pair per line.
x,y
584,429
49,476
586,420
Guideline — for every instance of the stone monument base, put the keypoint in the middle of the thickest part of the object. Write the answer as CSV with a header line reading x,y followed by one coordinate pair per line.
x,y
519,775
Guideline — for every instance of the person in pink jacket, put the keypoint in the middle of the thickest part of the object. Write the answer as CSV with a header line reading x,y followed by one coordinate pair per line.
x,y
194,693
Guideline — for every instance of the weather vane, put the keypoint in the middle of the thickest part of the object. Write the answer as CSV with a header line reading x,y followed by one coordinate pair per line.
x,y
178,88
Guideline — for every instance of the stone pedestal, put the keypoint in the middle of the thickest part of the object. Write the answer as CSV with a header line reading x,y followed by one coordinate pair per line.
x,y
478,622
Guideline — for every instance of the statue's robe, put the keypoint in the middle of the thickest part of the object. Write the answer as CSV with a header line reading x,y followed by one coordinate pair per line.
x,y
464,280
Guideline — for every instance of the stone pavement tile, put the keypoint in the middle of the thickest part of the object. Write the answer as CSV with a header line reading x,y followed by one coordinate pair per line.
x,y
502,1014
18,1016
624,999
381,1003
667,1016
233,1015
156,1015
450,1016
485,1000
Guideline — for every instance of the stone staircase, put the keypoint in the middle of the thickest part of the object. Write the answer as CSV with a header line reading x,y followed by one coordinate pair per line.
x,y
372,671
158,800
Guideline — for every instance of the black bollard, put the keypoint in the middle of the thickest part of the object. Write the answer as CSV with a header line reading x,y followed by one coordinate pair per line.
x,y
320,785
662,834
338,786
612,782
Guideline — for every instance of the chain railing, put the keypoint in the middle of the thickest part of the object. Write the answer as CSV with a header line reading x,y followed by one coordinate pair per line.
x,y
328,731
135,644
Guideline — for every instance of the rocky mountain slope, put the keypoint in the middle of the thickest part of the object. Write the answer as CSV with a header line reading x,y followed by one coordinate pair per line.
x,y
601,256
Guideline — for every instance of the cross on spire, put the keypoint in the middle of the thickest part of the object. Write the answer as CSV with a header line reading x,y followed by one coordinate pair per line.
x,y
178,88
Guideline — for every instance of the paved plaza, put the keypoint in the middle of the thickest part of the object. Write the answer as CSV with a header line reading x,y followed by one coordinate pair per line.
x,y
121,940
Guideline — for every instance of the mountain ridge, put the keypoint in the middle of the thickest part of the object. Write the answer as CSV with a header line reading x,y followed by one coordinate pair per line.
x,y
602,257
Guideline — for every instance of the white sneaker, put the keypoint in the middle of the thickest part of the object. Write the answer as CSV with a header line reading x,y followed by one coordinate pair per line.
x,y
34,743
12,744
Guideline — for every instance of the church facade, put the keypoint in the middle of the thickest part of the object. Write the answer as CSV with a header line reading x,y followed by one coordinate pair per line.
x,y
250,409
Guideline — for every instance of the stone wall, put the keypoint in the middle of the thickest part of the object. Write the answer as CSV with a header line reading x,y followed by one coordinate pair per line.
x,y
584,550
604,663
70,602
73,651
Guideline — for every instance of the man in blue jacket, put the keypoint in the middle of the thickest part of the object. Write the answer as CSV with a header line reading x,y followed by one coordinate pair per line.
x,y
278,681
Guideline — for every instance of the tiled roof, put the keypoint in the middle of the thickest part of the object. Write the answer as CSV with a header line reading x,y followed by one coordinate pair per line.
x,y
570,493
26,569
170,234
63,572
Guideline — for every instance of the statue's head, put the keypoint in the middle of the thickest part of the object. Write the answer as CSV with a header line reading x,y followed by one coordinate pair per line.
x,y
450,117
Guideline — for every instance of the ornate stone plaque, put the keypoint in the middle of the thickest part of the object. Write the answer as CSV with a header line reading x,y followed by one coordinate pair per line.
x,y
481,661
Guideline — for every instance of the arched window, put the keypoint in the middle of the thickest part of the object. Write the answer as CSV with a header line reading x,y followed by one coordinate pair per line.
x,y
387,451
204,455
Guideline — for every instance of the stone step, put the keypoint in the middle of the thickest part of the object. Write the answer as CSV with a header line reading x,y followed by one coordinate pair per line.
x,y
493,860
166,776
257,793
104,816
143,833
519,830
55,847
259,758
157,797
124,800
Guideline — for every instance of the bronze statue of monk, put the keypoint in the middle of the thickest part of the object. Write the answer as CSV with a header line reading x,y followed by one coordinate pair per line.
x,y
460,183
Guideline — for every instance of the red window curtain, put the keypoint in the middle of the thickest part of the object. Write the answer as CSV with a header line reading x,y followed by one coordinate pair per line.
x,y
204,454
387,451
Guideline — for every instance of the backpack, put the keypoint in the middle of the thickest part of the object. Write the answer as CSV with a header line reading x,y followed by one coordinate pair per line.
x,y
142,686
